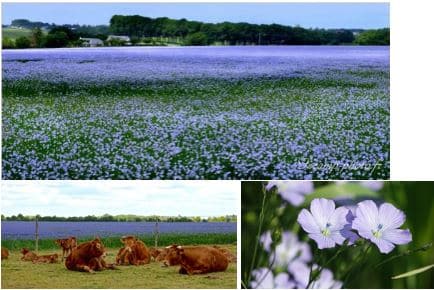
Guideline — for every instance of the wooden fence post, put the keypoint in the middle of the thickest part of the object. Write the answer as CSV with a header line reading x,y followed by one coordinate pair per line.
x,y
156,234
36,233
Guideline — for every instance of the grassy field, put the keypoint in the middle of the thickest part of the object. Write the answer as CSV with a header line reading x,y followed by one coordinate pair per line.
x,y
114,242
14,33
20,274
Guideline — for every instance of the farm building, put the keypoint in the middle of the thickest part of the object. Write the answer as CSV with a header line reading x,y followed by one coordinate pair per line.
x,y
92,42
119,39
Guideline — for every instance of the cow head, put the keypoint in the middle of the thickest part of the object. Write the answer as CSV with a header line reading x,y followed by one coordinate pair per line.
x,y
53,258
173,255
24,251
96,248
73,241
154,252
128,241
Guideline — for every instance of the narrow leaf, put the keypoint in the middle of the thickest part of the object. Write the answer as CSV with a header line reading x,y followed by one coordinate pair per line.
x,y
350,190
414,272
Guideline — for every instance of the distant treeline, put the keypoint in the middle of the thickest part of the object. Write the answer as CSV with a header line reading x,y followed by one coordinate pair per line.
x,y
165,31
120,218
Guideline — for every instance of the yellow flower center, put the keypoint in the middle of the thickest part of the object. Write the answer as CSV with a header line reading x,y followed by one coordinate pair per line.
x,y
326,232
378,232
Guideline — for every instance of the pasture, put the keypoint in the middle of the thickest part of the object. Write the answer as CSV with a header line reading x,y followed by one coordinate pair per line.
x,y
277,112
20,274
14,33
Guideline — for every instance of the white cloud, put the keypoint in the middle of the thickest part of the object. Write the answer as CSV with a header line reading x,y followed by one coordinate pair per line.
x,y
72,198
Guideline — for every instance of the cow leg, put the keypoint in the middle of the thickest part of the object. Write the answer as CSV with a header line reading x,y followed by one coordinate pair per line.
x,y
106,265
84,268
95,264
201,271
182,270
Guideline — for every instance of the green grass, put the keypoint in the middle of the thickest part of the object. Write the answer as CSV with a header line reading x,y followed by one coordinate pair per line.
x,y
114,242
20,274
14,33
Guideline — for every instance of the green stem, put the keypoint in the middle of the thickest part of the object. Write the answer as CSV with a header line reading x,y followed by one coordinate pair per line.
x,y
312,278
261,221
406,253
360,258
268,270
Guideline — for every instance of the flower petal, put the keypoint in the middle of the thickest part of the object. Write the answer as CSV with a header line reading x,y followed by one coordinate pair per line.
x,y
300,271
321,210
322,241
337,237
271,184
307,222
263,279
399,237
338,219
390,217
305,253
366,216
351,236
384,246
282,282
293,198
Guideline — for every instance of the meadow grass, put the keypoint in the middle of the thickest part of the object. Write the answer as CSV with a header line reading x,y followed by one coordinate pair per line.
x,y
114,242
20,274
14,33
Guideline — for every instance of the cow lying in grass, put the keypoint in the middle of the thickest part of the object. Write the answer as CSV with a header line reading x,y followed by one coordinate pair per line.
x,y
134,252
54,258
67,245
196,260
30,256
5,253
88,257
231,257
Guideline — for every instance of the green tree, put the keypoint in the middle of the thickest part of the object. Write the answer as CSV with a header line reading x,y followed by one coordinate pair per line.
x,y
197,38
22,42
57,39
37,38
8,43
374,37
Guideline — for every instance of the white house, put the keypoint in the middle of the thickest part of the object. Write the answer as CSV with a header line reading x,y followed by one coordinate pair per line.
x,y
92,42
122,38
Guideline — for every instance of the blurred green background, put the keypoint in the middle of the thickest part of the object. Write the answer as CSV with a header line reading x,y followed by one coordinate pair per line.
x,y
416,199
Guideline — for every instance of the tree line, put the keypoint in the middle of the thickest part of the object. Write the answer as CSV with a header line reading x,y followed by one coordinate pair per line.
x,y
163,31
120,218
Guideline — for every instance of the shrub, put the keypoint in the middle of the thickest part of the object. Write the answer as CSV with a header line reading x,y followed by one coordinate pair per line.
x,y
22,42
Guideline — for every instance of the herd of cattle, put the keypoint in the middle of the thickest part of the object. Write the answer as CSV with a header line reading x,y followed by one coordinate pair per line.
x,y
90,256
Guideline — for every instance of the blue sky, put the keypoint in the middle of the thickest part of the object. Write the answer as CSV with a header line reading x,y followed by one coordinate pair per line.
x,y
322,15
79,198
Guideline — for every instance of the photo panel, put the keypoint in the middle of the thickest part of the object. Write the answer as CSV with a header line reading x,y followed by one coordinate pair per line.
x,y
119,234
196,91
337,234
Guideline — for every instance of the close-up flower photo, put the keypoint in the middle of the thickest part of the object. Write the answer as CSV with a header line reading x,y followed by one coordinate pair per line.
x,y
337,234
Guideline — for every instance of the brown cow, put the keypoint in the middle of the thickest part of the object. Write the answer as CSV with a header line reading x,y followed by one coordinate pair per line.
x,y
198,260
134,252
46,259
125,256
88,257
5,253
154,252
67,245
28,255
162,255
231,257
